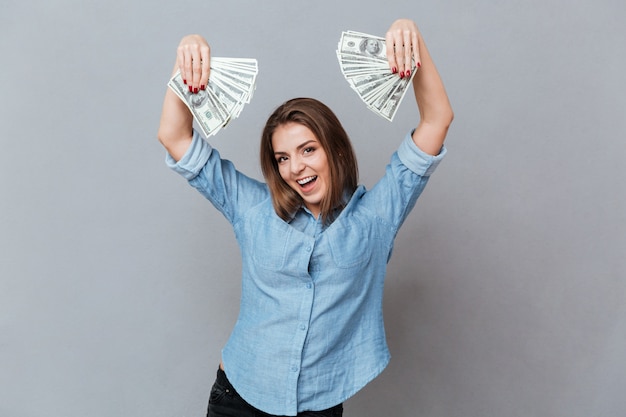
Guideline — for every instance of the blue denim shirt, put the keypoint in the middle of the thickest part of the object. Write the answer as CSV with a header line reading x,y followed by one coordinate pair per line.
x,y
310,329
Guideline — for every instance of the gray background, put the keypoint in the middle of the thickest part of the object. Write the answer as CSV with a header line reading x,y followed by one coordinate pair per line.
x,y
506,295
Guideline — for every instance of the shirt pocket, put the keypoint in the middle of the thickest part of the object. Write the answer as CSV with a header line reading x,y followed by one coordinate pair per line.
x,y
268,242
351,243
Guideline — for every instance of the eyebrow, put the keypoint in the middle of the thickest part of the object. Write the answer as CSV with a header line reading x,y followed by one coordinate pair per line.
x,y
303,145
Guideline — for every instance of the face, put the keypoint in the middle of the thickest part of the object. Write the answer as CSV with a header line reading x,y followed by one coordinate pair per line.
x,y
198,99
372,46
302,163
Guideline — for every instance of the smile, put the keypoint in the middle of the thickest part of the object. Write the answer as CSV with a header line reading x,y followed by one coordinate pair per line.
x,y
307,180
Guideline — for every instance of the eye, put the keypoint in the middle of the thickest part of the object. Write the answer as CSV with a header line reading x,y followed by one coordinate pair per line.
x,y
281,159
309,149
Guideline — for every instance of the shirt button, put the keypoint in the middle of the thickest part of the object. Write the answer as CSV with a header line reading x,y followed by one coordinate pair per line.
x,y
309,285
294,369
308,249
302,327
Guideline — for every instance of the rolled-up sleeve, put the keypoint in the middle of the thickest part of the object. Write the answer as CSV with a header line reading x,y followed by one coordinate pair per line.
x,y
196,157
417,160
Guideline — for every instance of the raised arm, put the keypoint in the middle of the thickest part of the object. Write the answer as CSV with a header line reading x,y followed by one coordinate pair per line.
x,y
404,41
175,129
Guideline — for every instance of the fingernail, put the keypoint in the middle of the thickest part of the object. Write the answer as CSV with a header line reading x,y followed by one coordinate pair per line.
x,y
408,73
202,87
394,70
185,81
419,65
190,89
195,90
401,74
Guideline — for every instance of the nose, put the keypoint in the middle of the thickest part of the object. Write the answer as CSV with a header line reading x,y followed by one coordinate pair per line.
x,y
297,165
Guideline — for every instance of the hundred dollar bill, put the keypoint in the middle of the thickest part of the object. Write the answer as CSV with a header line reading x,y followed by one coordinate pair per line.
x,y
363,46
231,84
208,115
363,62
389,101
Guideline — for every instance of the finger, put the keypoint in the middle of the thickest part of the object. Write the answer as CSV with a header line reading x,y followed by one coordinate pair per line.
x,y
400,57
205,52
196,69
186,62
407,51
416,50
391,57
180,62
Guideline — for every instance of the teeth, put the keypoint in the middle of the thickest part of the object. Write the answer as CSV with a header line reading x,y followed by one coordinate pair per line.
x,y
306,180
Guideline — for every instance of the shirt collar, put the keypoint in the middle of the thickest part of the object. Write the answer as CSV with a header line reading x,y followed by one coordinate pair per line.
x,y
345,200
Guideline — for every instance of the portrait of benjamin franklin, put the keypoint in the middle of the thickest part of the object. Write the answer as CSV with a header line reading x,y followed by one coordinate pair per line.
x,y
371,46
198,99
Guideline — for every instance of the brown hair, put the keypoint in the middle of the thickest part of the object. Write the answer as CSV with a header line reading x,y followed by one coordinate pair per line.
x,y
334,140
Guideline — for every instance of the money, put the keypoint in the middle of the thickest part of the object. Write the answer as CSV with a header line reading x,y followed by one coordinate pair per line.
x,y
363,62
232,82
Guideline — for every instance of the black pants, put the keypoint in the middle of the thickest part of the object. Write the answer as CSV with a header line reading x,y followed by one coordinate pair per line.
x,y
225,402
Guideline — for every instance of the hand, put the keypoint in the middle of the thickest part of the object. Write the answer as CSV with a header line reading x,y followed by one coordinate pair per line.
x,y
193,59
402,42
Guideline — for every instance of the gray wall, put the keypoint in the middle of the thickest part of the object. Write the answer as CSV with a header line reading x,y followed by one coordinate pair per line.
x,y
506,295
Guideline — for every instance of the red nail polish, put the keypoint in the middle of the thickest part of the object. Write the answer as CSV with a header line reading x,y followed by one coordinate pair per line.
x,y
419,65
195,90
202,87
408,73
394,70
185,81
190,89
401,74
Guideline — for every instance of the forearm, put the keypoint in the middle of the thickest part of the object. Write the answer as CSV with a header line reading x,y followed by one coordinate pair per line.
x,y
434,106
175,128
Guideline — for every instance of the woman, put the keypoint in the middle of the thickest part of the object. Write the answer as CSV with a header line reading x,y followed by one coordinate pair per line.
x,y
314,244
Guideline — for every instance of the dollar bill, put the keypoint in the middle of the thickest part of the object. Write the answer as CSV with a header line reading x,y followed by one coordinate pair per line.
x,y
363,62
232,82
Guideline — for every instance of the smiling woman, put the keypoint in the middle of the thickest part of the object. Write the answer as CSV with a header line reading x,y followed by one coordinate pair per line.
x,y
302,164
314,244
307,157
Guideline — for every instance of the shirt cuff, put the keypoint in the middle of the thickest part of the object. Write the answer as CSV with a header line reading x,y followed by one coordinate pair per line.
x,y
417,160
196,157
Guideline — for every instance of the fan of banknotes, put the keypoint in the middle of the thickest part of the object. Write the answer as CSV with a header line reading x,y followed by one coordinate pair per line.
x,y
231,84
363,62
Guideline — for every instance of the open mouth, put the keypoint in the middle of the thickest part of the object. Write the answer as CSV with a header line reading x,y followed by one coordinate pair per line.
x,y
308,182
